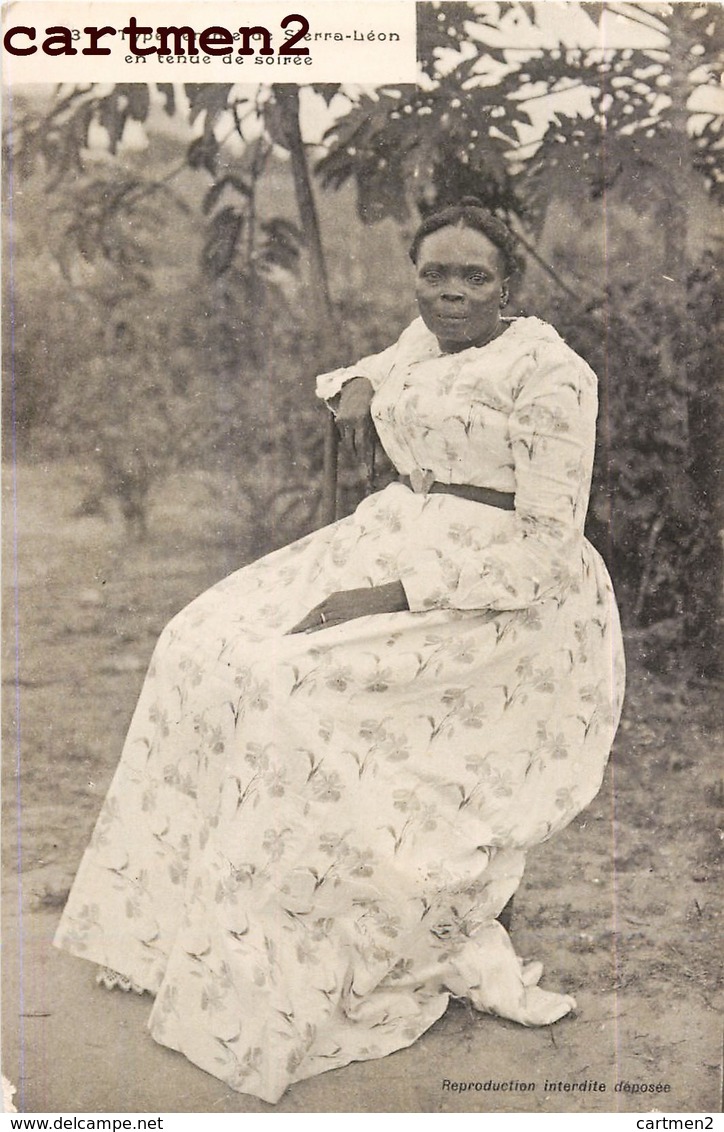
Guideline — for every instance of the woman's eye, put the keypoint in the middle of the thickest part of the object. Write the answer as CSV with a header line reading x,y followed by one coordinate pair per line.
x,y
477,277
431,276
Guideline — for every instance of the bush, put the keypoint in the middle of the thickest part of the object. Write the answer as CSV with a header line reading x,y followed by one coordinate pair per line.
x,y
652,509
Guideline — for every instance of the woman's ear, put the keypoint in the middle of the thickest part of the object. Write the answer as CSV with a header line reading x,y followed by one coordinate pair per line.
x,y
504,294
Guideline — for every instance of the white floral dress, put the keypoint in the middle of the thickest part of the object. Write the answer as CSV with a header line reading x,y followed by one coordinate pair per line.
x,y
309,837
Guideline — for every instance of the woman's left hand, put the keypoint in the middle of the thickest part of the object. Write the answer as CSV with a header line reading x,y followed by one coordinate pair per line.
x,y
346,605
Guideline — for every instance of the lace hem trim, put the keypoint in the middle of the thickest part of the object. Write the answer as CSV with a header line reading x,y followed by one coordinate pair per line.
x,y
112,980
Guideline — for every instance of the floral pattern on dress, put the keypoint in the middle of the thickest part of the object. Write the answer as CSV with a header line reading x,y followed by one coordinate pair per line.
x,y
309,837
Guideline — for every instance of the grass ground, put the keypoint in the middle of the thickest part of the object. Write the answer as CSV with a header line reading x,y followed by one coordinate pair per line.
x,y
622,907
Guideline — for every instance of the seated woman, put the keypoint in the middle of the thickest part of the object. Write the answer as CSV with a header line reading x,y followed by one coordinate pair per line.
x,y
343,752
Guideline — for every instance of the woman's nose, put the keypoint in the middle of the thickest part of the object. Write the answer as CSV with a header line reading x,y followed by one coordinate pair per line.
x,y
451,293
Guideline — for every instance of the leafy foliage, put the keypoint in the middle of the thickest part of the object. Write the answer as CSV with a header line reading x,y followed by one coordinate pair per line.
x,y
108,247
655,480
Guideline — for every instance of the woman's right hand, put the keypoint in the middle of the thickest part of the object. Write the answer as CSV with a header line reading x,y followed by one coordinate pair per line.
x,y
353,418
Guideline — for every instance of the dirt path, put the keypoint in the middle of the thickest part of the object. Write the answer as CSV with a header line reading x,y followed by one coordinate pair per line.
x,y
621,908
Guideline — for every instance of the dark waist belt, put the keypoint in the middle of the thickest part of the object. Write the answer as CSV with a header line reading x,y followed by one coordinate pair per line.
x,y
505,500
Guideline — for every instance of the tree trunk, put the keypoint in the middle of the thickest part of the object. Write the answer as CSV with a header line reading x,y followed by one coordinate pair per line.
x,y
286,96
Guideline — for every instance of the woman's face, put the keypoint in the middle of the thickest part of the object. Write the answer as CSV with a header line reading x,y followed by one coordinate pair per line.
x,y
459,286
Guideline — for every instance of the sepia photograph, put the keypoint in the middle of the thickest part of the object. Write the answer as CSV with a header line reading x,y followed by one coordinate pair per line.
x,y
362,548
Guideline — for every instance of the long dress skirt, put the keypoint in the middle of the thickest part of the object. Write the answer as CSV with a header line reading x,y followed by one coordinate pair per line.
x,y
309,837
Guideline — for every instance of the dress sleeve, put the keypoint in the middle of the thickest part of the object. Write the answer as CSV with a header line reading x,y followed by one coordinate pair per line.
x,y
537,554
375,367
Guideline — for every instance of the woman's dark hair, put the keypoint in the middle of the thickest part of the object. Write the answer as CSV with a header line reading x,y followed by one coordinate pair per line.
x,y
470,213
